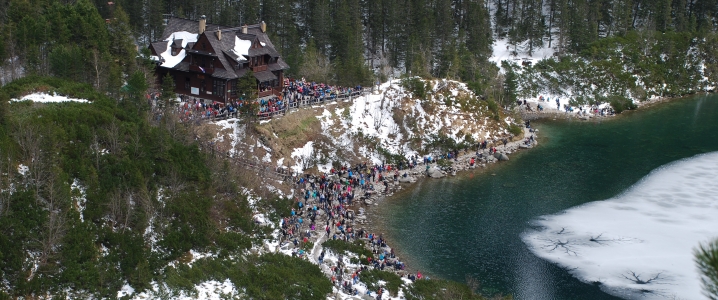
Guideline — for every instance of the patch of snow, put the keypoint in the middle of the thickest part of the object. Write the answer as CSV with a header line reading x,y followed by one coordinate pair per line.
x,y
23,169
47,98
126,290
79,197
252,199
208,290
241,47
641,240
303,157
198,255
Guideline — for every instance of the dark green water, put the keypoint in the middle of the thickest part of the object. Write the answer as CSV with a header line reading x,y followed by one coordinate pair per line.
x,y
471,225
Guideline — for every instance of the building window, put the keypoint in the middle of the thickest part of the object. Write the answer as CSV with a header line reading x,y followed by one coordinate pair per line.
x,y
218,87
186,83
233,88
201,86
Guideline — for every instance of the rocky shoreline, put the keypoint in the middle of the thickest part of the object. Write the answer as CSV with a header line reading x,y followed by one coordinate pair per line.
x,y
353,216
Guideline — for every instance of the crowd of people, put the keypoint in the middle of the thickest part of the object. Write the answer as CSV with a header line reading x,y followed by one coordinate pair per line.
x,y
302,92
270,107
298,93
194,109
295,93
326,206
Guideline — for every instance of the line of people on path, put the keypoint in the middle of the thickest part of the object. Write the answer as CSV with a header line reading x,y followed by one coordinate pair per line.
x,y
302,92
326,205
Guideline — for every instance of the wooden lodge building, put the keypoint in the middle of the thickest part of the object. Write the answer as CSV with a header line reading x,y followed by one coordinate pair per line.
x,y
206,60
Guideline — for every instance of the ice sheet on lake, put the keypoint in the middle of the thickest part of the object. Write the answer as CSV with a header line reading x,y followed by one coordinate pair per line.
x,y
639,244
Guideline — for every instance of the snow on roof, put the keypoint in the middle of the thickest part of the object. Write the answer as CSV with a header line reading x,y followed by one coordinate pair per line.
x,y
241,47
172,60
47,98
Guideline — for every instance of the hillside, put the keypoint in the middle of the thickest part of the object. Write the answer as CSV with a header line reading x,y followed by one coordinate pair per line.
x,y
99,199
96,198
399,119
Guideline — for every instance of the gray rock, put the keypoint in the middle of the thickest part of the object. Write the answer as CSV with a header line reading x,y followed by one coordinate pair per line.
x,y
408,179
501,156
435,173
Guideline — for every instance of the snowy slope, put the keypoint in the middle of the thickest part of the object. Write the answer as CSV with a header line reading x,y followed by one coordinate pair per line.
x,y
390,121
47,98
400,124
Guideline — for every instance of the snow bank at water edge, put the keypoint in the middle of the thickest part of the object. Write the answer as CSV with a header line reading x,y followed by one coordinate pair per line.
x,y
47,98
638,244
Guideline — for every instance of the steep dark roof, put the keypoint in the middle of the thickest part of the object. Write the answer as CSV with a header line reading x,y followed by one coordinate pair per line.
x,y
160,47
265,76
224,47
226,74
233,56
183,66
277,66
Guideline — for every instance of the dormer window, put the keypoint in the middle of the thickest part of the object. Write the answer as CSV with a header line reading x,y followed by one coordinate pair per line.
x,y
204,46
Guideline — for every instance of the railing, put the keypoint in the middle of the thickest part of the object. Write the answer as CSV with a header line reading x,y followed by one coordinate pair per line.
x,y
270,92
310,100
303,101
259,68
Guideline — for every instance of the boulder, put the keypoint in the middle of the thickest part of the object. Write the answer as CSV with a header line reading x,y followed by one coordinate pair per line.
x,y
407,179
501,156
434,172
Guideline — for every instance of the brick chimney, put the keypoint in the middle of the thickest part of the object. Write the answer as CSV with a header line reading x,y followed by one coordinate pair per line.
x,y
263,26
202,24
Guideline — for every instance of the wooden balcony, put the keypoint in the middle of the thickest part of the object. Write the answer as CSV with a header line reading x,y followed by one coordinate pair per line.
x,y
274,91
256,69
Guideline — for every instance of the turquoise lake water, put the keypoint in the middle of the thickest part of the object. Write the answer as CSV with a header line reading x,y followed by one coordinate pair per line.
x,y
470,225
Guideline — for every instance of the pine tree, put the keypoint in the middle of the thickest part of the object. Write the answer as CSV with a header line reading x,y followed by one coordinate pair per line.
x,y
122,47
706,257
316,66
168,96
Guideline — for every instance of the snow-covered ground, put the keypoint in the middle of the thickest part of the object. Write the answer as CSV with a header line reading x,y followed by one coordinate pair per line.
x,y
374,116
502,50
47,98
208,290
639,245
